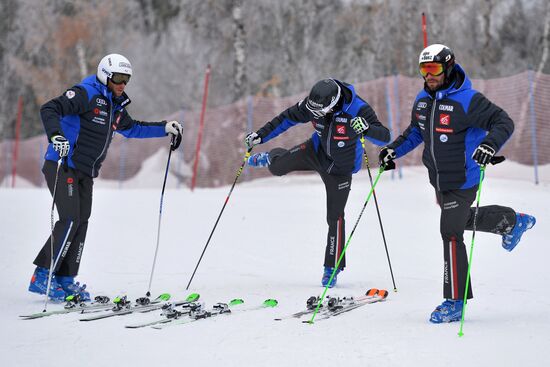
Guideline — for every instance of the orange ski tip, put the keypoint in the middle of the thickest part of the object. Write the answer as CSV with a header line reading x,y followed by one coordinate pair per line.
x,y
372,292
383,293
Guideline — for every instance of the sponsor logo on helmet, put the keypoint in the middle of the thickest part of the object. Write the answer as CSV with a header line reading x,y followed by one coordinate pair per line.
x,y
110,63
443,138
444,107
107,72
314,104
427,56
70,94
444,119
123,64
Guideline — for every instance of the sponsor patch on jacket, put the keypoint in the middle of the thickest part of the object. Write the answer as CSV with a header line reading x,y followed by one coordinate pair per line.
x,y
69,94
421,105
101,101
341,138
341,129
98,120
443,138
444,130
444,107
444,119
342,120
420,117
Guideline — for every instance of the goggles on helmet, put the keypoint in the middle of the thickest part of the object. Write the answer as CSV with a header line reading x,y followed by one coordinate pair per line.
x,y
319,111
434,68
119,78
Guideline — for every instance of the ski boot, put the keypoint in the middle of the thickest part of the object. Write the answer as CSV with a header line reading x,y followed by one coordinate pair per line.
x,y
326,276
450,310
72,288
259,160
523,223
39,283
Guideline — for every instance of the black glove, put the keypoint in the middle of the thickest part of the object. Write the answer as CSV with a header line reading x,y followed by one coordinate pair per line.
x,y
60,144
483,154
252,139
386,157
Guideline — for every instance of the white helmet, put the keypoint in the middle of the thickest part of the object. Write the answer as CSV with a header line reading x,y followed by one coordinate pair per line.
x,y
438,53
110,64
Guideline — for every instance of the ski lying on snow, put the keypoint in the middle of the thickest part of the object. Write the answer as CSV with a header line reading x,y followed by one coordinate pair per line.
x,y
340,306
333,306
142,305
100,303
217,309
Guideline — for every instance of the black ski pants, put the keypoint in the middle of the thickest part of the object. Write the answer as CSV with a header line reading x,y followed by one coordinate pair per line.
x,y
456,216
304,158
73,200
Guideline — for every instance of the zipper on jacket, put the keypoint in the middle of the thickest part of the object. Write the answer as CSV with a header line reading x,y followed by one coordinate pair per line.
x,y
328,138
432,144
106,139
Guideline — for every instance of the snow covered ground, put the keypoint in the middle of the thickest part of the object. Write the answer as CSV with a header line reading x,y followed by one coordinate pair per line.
x,y
270,244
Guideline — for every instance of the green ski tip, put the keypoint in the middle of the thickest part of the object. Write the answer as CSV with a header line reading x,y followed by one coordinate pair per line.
x,y
69,298
236,301
117,299
163,297
193,297
270,303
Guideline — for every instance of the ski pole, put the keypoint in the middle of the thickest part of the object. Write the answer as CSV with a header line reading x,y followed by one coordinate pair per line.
x,y
172,142
378,212
481,174
346,246
52,214
239,171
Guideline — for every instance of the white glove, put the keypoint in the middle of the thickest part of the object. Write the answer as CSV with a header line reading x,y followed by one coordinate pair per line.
x,y
251,140
359,124
60,145
174,128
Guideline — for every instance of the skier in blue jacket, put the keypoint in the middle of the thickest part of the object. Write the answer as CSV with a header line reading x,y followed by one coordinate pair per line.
x,y
80,125
339,117
461,131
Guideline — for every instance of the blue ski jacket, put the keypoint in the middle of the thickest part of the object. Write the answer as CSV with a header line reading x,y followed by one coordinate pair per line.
x,y
452,123
87,115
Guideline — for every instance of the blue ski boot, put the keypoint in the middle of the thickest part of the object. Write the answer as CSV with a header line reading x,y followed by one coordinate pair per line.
x,y
326,276
39,283
72,288
450,310
523,223
259,160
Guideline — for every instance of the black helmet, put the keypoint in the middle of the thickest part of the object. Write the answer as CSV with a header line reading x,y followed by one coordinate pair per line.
x,y
440,54
324,95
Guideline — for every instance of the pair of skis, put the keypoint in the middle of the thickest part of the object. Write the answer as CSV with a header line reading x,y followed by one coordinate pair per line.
x,y
334,306
195,312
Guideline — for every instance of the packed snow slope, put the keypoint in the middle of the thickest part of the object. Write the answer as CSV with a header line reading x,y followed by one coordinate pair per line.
x,y
270,244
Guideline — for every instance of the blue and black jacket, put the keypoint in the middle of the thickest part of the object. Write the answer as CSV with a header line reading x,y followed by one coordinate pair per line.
x,y
452,123
87,115
337,145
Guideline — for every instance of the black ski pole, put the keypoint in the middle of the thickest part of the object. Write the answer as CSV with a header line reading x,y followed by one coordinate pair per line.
x,y
240,170
172,142
52,214
378,212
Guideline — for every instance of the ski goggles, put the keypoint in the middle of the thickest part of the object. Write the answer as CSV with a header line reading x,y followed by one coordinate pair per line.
x,y
319,112
434,68
119,78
